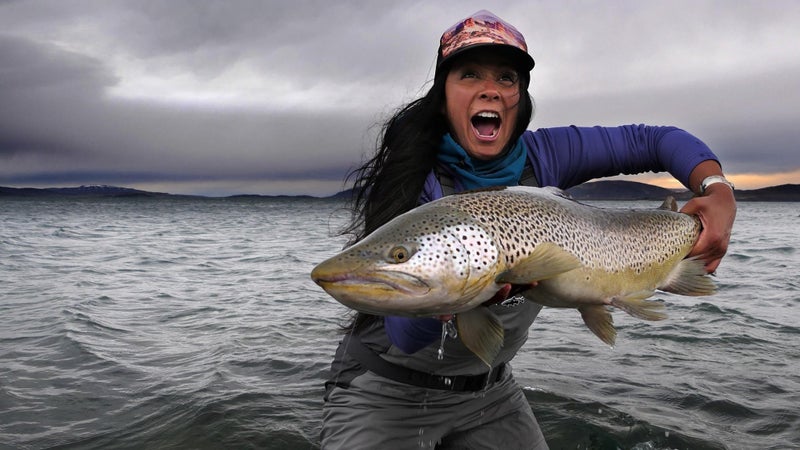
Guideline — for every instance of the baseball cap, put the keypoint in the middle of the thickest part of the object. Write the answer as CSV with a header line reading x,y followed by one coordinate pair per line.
x,y
479,30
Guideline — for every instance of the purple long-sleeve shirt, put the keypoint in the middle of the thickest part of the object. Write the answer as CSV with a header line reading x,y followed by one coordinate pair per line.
x,y
568,156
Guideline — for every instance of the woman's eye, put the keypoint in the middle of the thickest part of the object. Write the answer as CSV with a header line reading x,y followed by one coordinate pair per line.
x,y
508,78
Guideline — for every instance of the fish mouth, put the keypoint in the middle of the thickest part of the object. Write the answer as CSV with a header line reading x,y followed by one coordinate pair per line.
x,y
486,124
376,284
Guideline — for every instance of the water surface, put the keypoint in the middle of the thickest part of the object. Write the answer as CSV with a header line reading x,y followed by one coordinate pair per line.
x,y
192,323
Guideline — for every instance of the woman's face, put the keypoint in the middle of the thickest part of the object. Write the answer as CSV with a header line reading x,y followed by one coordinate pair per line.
x,y
482,102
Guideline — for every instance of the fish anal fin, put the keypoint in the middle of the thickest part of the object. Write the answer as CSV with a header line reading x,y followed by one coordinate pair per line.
x,y
636,305
689,277
599,320
481,332
546,261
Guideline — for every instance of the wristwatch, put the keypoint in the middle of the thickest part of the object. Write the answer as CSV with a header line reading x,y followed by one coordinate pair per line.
x,y
713,179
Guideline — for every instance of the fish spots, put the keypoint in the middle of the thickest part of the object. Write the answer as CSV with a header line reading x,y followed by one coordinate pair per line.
x,y
448,251
516,220
477,250
469,235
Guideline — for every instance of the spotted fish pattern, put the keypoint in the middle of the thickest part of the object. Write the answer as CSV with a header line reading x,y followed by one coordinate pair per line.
x,y
517,219
452,255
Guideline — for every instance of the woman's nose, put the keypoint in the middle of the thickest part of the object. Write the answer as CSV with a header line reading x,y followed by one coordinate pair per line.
x,y
489,92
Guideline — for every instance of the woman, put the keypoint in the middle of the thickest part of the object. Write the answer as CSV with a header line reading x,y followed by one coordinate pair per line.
x,y
390,386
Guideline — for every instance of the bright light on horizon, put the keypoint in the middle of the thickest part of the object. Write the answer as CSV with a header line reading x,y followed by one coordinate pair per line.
x,y
745,181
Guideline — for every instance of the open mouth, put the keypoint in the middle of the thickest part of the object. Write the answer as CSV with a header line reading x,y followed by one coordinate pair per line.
x,y
486,123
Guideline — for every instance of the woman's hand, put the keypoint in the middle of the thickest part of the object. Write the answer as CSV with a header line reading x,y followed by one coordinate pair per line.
x,y
506,291
717,211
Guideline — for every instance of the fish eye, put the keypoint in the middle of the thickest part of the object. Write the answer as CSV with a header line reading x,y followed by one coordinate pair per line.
x,y
399,254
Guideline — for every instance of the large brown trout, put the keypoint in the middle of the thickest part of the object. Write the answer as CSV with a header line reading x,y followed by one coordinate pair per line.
x,y
451,255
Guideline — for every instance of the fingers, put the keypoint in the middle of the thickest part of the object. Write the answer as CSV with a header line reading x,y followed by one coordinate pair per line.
x,y
716,213
711,253
500,295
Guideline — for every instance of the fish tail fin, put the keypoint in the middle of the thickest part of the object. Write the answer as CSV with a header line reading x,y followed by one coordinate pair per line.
x,y
599,320
636,305
689,277
481,332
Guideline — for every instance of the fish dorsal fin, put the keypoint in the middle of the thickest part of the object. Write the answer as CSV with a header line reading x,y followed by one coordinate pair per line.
x,y
481,332
546,261
669,204
558,192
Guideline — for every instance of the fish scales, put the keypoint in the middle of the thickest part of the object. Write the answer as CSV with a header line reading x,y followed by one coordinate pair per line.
x,y
452,255
601,238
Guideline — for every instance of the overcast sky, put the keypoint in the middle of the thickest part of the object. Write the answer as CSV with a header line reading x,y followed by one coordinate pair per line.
x,y
269,97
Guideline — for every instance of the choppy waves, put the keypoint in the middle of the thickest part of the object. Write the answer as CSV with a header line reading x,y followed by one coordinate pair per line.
x,y
141,323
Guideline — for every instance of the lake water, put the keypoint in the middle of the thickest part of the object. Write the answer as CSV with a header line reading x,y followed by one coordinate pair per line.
x,y
192,323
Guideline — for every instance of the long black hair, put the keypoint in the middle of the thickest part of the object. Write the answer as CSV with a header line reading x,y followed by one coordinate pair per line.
x,y
390,183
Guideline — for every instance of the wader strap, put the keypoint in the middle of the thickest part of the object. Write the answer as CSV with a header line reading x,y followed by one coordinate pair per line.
x,y
528,178
379,366
446,181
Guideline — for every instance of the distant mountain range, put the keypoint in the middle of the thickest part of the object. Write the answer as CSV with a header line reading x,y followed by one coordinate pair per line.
x,y
80,191
598,190
631,190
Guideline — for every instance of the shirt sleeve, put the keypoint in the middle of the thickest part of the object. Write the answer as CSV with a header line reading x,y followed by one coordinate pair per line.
x,y
568,156
431,190
411,335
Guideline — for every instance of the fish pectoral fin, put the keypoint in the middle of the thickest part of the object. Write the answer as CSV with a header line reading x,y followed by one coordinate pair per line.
x,y
636,305
689,277
546,261
599,320
481,332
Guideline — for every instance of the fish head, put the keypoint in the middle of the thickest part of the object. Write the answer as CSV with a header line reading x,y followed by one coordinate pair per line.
x,y
427,262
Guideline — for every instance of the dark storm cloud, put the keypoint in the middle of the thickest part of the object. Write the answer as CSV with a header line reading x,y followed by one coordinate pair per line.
x,y
60,123
28,66
745,120
55,118
43,90
308,38
144,92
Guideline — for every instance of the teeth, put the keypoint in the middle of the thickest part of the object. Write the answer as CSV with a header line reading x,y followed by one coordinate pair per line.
x,y
488,115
